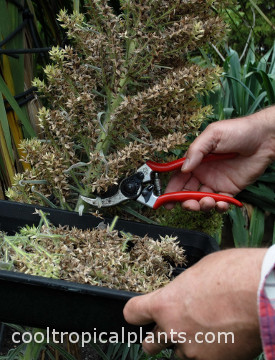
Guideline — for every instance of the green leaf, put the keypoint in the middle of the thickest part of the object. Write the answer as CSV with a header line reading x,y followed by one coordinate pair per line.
x,y
10,19
62,351
256,103
19,328
33,350
113,349
206,58
228,112
266,83
262,14
250,57
242,84
13,103
99,351
14,353
256,228
138,215
125,351
264,61
50,355
239,228
135,352
272,63
234,73
5,126
261,195
267,177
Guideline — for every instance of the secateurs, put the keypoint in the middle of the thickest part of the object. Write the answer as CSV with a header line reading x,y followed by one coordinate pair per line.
x,y
144,186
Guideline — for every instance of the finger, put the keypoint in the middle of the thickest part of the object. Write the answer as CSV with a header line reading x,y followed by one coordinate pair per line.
x,y
191,205
204,144
192,184
156,343
170,205
137,310
179,354
222,206
192,161
201,146
152,348
207,203
205,188
176,183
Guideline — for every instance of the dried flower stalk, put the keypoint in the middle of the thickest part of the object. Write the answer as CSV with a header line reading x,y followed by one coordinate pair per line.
x,y
123,91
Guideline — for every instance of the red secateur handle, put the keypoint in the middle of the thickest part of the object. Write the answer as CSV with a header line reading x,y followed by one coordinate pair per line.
x,y
193,195
177,164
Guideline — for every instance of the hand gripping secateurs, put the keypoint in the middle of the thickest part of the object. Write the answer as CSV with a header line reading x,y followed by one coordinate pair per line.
x,y
144,186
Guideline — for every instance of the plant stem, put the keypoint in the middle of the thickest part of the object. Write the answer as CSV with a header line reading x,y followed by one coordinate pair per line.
x,y
76,6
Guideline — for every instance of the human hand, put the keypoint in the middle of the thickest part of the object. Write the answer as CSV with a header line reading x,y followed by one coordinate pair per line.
x,y
217,295
252,138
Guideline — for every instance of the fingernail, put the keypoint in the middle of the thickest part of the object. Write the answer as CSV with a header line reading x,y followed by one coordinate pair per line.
x,y
185,165
169,206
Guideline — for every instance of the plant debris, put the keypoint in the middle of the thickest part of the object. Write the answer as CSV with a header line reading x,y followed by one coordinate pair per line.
x,y
100,256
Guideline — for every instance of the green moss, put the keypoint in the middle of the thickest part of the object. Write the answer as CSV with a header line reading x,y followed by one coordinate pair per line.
x,y
209,223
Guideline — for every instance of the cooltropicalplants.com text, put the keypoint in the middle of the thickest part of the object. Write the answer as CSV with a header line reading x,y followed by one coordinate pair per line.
x,y
83,338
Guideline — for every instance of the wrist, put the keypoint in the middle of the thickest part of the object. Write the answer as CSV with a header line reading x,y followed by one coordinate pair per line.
x,y
265,120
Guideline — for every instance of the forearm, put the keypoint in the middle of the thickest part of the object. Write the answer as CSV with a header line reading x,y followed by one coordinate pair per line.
x,y
264,122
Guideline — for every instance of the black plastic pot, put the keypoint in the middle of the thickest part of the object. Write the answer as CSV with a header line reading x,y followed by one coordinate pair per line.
x,y
67,306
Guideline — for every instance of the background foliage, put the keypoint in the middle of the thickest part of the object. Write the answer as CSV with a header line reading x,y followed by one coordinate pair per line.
x,y
245,18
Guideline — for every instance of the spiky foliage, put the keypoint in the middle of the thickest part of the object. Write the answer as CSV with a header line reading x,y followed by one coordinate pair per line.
x,y
122,93
98,257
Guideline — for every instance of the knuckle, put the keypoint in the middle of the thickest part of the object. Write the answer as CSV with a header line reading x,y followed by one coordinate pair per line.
x,y
160,303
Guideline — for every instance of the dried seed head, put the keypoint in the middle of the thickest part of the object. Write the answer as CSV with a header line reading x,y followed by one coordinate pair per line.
x,y
97,257
122,92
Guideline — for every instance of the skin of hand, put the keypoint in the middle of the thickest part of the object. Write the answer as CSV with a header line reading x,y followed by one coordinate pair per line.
x,y
251,137
218,294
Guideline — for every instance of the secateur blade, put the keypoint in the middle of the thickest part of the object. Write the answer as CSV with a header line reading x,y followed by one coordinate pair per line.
x,y
97,201
129,188
107,202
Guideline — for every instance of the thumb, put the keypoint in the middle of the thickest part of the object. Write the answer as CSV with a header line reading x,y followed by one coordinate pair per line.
x,y
201,146
137,310
192,160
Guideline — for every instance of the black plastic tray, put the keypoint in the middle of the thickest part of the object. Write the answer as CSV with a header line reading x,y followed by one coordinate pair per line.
x,y
67,306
